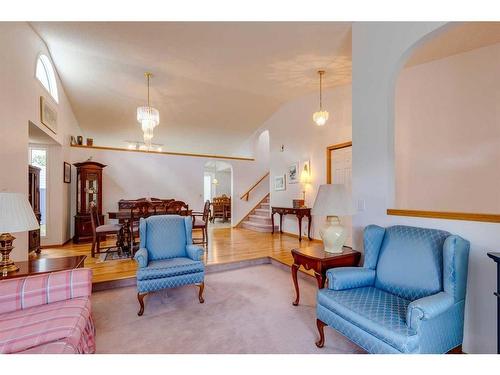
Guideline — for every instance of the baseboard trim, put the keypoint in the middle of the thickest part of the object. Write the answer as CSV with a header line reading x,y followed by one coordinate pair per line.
x,y
55,246
304,238
210,268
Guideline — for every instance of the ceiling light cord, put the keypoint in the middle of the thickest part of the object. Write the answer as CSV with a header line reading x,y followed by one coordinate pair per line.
x,y
321,72
148,76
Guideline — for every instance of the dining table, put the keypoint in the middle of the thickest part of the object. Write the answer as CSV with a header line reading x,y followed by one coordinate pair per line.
x,y
127,217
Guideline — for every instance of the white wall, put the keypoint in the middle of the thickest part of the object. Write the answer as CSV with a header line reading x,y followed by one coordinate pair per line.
x,y
379,51
224,184
447,133
20,95
292,126
130,175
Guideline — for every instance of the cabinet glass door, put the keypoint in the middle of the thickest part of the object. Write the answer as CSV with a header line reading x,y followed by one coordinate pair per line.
x,y
91,189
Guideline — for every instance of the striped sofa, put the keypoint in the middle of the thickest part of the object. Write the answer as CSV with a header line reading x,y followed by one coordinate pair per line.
x,y
47,313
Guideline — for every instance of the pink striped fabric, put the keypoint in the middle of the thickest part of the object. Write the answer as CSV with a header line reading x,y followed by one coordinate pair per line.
x,y
49,313
26,292
68,322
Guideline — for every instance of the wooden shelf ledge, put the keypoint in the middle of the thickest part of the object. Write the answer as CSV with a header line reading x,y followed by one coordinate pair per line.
x,y
166,153
466,216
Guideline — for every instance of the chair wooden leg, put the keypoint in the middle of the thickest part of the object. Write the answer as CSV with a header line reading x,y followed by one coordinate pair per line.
x,y
98,247
140,297
321,325
457,350
92,249
200,293
206,235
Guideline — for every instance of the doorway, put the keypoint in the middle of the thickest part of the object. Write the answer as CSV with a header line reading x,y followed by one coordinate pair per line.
x,y
38,158
218,189
339,171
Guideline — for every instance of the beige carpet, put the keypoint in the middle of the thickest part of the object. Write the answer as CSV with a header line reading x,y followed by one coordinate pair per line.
x,y
247,310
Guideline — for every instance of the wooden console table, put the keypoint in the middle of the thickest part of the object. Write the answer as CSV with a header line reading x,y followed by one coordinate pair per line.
x,y
38,266
299,212
496,258
316,258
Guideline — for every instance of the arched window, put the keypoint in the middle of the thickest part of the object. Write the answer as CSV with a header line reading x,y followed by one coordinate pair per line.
x,y
46,75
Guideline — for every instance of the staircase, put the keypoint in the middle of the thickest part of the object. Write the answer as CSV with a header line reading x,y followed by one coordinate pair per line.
x,y
259,219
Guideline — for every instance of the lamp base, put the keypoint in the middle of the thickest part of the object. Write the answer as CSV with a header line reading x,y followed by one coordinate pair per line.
x,y
6,265
333,235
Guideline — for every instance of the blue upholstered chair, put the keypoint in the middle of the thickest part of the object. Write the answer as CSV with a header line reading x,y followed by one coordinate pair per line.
x,y
167,257
408,297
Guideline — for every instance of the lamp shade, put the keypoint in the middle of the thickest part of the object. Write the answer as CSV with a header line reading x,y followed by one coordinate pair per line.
x,y
333,200
16,214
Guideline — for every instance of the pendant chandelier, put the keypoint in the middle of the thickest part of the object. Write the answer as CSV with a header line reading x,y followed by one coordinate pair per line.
x,y
148,117
321,116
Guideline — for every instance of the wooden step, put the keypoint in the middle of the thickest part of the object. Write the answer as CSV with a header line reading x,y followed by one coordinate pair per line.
x,y
262,212
259,219
259,227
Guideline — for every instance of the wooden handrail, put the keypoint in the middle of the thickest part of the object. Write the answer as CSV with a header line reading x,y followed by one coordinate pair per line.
x,y
247,193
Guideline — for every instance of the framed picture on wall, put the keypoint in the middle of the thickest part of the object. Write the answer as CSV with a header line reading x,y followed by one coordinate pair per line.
x,y
280,182
67,173
293,173
48,115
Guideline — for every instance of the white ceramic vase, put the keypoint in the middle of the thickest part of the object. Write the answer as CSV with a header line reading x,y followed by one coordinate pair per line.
x,y
333,235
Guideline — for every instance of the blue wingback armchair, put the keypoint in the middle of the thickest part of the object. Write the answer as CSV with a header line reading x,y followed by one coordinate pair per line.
x,y
167,257
408,297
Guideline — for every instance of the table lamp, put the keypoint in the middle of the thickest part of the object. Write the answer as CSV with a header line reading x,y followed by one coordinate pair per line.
x,y
332,201
16,215
305,179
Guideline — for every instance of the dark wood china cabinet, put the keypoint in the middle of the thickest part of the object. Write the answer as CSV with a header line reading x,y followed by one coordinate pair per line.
x,y
34,199
88,189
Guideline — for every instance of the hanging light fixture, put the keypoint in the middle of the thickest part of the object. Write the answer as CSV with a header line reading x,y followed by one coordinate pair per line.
x,y
148,117
321,116
215,181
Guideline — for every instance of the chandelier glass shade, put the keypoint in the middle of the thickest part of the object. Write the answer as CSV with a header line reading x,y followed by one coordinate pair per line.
x,y
148,117
320,117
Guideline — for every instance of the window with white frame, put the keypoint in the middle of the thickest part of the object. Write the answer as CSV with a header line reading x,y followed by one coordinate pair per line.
x,y
38,156
46,75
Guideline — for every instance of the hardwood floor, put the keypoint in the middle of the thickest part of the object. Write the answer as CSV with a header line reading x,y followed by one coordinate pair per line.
x,y
225,245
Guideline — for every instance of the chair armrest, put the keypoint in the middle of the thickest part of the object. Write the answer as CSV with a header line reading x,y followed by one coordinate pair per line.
x,y
349,277
195,252
427,308
141,257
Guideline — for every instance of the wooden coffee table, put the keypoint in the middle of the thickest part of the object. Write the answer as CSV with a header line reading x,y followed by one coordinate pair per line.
x,y
315,258
45,265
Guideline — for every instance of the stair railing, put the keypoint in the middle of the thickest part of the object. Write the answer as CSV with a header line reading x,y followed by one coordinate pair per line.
x,y
246,195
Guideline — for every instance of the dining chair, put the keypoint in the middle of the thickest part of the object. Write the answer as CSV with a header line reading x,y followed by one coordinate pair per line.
x,y
202,223
99,230
217,209
227,209
176,208
139,209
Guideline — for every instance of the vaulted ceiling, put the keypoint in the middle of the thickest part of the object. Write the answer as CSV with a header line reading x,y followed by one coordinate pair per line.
x,y
214,82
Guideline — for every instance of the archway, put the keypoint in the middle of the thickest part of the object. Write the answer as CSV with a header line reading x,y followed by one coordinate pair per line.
x,y
218,189
446,133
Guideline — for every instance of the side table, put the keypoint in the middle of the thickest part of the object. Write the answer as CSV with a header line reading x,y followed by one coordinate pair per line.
x,y
299,212
41,265
316,258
